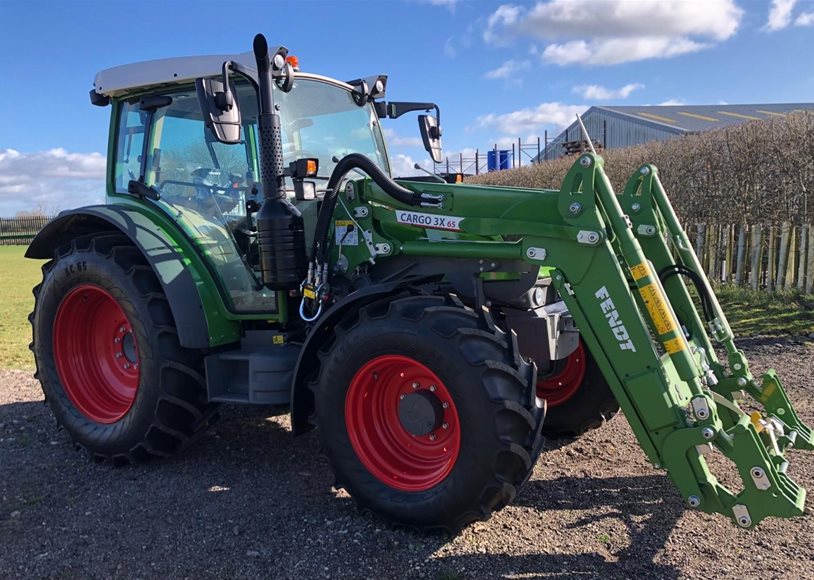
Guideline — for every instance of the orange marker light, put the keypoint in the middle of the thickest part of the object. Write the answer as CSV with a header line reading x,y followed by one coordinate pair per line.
x,y
293,61
311,167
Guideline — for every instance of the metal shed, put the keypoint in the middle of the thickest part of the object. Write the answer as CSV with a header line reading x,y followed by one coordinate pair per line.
x,y
633,125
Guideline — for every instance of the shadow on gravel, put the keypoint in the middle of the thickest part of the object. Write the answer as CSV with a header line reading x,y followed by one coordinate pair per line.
x,y
645,505
249,500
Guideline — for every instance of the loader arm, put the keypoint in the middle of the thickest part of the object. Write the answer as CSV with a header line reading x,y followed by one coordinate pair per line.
x,y
652,344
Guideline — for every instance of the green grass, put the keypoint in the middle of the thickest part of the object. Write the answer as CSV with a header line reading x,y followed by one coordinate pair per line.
x,y
17,277
750,313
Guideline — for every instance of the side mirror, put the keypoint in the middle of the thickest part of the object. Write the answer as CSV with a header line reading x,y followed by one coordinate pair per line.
x,y
431,135
219,109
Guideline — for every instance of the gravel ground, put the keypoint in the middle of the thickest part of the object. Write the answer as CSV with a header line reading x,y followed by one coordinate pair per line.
x,y
250,500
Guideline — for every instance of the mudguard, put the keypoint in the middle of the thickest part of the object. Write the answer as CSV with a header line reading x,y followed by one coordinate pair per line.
x,y
158,248
302,402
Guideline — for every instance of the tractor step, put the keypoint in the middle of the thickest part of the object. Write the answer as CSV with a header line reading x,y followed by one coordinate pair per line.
x,y
260,372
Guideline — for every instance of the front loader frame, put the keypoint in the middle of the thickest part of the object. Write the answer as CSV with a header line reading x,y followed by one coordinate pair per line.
x,y
609,254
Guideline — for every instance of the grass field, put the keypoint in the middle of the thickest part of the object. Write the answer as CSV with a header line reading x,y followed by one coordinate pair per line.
x,y
17,276
750,313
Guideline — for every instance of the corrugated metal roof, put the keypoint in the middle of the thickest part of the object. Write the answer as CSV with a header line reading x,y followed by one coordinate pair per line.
x,y
628,125
696,118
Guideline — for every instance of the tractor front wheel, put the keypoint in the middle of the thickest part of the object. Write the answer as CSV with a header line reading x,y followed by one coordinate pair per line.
x,y
426,412
108,355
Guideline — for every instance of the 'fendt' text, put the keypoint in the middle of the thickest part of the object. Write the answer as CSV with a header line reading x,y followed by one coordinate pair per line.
x,y
612,316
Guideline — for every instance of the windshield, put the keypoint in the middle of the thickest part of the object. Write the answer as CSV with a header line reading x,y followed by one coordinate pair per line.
x,y
321,120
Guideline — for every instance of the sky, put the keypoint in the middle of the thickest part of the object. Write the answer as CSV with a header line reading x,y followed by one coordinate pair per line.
x,y
499,70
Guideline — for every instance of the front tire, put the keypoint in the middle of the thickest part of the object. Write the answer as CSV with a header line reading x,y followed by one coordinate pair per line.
x,y
108,356
426,412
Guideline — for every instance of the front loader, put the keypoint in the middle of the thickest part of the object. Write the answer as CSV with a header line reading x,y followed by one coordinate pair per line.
x,y
255,249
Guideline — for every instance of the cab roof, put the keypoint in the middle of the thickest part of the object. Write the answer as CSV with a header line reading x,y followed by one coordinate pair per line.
x,y
124,79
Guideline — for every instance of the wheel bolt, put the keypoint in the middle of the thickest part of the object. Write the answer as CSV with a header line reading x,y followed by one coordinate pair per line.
x,y
416,385
433,437
117,340
433,388
401,396
127,365
121,329
118,355
445,405
375,376
445,426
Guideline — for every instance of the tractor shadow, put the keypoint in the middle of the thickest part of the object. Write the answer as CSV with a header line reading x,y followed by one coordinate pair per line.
x,y
642,511
267,499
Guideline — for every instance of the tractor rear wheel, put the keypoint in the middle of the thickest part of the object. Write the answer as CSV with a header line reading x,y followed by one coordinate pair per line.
x,y
578,397
426,412
108,356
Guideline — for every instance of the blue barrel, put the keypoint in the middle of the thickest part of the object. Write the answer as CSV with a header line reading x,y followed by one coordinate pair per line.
x,y
498,159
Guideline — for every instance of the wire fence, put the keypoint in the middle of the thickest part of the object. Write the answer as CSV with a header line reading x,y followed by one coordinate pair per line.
x,y
19,231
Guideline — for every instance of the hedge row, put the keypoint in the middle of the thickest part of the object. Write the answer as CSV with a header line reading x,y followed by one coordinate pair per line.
x,y
756,172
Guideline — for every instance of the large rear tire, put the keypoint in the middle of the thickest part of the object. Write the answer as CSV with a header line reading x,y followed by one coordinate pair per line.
x,y
108,356
426,412
578,396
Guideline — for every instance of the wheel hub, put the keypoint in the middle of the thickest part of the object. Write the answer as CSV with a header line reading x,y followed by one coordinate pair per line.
x,y
421,412
402,423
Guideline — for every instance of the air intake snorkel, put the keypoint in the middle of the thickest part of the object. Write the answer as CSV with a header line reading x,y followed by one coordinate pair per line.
x,y
280,230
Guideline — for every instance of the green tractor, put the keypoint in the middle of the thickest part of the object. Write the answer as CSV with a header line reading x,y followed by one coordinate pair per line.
x,y
255,249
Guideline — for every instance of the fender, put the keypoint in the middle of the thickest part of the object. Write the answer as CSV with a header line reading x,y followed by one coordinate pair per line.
x,y
302,402
157,246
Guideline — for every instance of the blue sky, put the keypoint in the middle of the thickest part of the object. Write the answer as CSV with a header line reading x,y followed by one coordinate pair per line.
x,y
499,70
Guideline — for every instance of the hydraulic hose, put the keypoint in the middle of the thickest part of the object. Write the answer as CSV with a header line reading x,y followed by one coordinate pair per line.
x,y
379,177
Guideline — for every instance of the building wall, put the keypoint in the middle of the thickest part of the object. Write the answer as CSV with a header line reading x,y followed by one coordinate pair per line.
x,y
620,133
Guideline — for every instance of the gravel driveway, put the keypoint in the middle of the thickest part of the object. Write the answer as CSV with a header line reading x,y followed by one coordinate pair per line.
x,y
250,500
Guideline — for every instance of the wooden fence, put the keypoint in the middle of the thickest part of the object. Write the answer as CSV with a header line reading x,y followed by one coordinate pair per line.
x,y
20,230
763,257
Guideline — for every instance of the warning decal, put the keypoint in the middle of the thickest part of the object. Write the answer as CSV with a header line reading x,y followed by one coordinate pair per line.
x,y
639,271
343,236
429,220
659,310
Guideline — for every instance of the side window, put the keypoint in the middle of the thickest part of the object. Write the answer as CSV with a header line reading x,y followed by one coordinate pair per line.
x,y
204,185
129,145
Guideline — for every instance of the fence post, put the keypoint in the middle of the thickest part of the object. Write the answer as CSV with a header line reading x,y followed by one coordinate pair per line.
x,y
771,261
810,265
757,246
801,257
739,259
783,257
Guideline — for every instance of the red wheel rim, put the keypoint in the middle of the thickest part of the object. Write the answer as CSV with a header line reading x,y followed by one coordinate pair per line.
x,y
561,386
394,455
96,354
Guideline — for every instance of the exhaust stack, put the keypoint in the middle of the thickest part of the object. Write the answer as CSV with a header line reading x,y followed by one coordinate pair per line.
x,y
280,229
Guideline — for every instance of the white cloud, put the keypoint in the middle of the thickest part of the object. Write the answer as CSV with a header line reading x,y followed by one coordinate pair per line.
x,y
49,180
553,115
448,4
402,165
508,69
600,93
600,32
673,103
394,139
805,19
780,14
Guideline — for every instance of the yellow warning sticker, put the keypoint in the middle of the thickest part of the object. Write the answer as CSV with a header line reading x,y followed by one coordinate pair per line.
x,y
640,271
674,345
278,339
308,293
659,311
